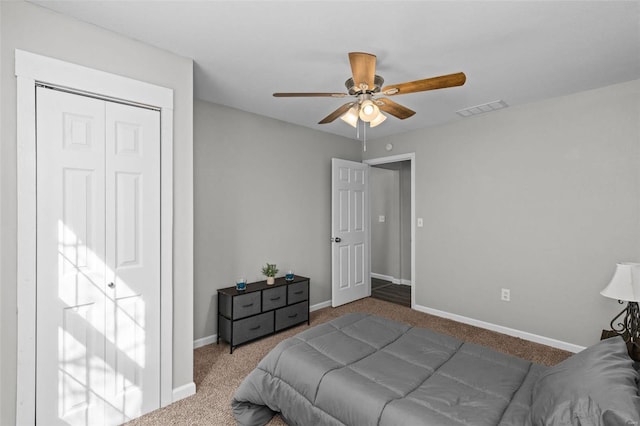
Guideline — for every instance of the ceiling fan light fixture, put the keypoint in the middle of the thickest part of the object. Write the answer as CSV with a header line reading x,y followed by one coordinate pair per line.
x,y
379,119
351,117
365,85
368,111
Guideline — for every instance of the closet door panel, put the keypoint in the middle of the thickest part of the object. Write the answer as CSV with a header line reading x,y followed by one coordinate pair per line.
x,y
70,322
133,257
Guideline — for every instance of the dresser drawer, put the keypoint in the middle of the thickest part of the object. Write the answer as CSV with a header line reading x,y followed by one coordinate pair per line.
x,y
252,328
261,309
298,292
246,304
274,298
292,315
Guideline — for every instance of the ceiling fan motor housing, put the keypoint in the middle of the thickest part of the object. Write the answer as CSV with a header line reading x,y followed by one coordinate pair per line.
x,y
353,90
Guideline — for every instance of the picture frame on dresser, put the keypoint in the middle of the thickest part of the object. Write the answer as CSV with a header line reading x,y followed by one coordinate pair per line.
x,y
261,309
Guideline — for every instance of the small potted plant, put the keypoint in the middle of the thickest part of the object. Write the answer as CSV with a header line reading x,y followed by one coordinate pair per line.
x,y
270,272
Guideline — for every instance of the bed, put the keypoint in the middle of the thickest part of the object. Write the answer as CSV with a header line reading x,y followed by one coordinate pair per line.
x,y
362,369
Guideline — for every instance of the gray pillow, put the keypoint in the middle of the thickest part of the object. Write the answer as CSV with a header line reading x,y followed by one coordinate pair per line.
x,y
597,386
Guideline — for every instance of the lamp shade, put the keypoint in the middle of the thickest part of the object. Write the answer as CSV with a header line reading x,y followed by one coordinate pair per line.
x,y
379,119
625,284
351,117
368,111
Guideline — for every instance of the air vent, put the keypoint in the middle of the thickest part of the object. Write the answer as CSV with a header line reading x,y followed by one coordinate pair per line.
x,y
481,109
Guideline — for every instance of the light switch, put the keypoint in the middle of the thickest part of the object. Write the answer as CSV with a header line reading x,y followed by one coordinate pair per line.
x,y
420,223
381,218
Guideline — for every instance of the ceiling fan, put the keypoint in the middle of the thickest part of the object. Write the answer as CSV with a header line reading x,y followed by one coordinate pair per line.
x,y
370,97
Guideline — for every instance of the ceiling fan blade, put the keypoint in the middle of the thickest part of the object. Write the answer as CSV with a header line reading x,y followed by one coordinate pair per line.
x,y
337,113
310,95
393,108
363,68
444,81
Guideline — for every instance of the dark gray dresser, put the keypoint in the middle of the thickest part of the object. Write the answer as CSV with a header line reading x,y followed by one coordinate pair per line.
x,y
261,309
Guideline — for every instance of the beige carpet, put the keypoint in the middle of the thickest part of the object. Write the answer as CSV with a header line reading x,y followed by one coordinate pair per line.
x,y
217,373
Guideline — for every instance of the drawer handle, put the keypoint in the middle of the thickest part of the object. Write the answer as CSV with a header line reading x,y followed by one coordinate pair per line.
x,y
247,306
298,292
275,298
293,316
254,328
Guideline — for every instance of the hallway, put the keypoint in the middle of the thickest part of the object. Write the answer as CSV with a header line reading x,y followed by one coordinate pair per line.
x,y
394,293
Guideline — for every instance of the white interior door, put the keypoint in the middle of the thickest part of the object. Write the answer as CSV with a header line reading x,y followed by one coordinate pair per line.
x,y
98,279
349,232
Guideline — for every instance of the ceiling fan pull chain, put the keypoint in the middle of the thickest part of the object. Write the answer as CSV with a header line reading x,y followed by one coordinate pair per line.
x,y
364,136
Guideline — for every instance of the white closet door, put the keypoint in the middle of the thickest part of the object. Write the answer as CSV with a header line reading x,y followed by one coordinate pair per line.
x,y
133,260
70,259
97,355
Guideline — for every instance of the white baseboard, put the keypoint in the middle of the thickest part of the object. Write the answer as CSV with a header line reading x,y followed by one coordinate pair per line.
x,y
455,317
184,391
501,329
390,278
320,305
207,340
198,343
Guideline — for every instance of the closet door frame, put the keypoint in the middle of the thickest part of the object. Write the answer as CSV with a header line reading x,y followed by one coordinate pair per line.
x,y
32,69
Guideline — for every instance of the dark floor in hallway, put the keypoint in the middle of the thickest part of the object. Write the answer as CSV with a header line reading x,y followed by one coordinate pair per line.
x,y
394,293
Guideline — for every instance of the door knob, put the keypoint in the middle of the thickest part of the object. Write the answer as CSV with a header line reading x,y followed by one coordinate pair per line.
x,y
111,285
336,239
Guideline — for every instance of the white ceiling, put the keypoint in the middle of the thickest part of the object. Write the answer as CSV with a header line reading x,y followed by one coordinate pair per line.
x,y
519,51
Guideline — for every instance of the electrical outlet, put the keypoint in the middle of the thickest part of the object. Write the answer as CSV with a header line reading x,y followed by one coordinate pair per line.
x,y
505,295
381,218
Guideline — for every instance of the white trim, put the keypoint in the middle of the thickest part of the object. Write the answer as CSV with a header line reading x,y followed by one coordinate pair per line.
x,y
411,156
29,69
77,77
184,391
26,267
501,329
383,277
166,255
393,280
204,341
320,305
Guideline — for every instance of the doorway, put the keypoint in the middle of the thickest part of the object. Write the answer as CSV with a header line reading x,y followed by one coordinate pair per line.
x,y
392,228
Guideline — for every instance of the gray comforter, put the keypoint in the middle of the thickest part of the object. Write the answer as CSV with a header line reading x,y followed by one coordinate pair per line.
x,y
361,369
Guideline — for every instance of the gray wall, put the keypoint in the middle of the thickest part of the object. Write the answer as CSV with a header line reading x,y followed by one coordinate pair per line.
x,y
542,199
35,29
405,220
384,189
262,194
